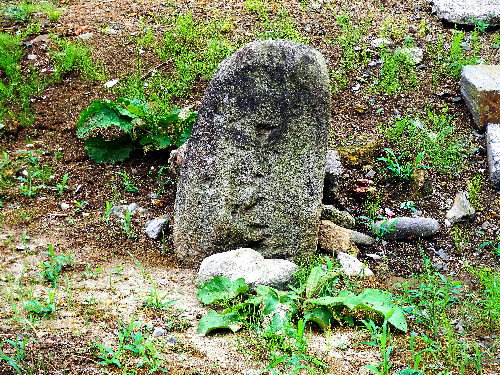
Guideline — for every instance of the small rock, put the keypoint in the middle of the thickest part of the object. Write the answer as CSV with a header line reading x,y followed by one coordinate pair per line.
x,y
380,42
156,227
158,331
461,209
422,182
335,239
415,54
176,158
86,36
352,266
111,83
485,225
250,265
402,228
341,218
374,256
32,57
371,174
64,206
333,171
360,238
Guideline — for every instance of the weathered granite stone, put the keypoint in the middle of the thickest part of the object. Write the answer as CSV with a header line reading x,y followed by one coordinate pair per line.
x,y
250,265
352,266
493,150
461,209
254,168
155,228
466,11
480,88
335,239
176,158
333,171
341,218
401,228
361,238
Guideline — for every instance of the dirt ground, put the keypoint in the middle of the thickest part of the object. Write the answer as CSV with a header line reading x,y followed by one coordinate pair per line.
x,y
90,306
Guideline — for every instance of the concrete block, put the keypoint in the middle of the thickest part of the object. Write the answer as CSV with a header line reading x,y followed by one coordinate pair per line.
x,y
493,149
480,88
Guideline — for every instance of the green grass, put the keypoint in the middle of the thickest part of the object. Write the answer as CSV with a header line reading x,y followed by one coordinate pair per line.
x,y
397,73
75,56
435,135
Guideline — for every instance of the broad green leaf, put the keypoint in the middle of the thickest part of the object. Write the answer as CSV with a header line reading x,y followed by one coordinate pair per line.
x,y
322,316
214,320
104,114
371,299
159,141
313,281
185,135
220,288
111,151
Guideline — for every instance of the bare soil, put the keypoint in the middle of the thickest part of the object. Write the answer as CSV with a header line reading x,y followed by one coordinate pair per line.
x,y
89,309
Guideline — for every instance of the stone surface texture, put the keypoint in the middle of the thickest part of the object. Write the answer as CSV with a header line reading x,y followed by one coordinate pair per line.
x,y
408,227
254,167
250,265
154,228
493,150
352,266
335,239
480,88
461,209
341,218
465,11
176,158
333,171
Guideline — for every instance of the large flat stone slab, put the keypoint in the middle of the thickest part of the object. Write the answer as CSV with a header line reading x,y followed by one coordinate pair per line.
x,y
464,12
480,88
493,149
254,168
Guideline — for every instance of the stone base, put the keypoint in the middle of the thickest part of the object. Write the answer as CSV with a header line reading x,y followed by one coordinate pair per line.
x,y
493,149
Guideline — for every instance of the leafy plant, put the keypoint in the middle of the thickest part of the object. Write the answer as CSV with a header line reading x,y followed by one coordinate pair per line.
x,y
17,362
60,187
108,355
109,206
488,305
51,268
408,205
155,300
397,73
140,125
27,186
381,340
128,185
397,168
42,309
127,226
221,289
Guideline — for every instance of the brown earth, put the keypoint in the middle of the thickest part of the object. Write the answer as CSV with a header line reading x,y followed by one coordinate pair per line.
x,y
64,341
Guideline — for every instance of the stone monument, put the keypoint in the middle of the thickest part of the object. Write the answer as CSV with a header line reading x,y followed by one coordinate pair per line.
x,y
254,167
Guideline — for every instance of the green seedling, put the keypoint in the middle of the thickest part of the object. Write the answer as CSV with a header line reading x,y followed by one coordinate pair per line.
x,y
127,226
109,206
155,300
80,205
42,309
494,243
51,269
397,168
60,187
88,274
19,346
128,185
108,355
152,358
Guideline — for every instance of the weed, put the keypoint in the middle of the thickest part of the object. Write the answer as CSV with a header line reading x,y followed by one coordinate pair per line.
x,y
41,309
144,273
155,300
80,206
128,185
397,73
51,269
152,358
408,205
381,340
60,187
107,355
19,346
397,169
109,206
488,306
27,186
461,237
127,226
452,63
88,274
75,56
480,24
436,136
474,188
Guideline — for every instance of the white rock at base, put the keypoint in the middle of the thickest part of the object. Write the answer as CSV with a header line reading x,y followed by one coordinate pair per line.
x,y
352,266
